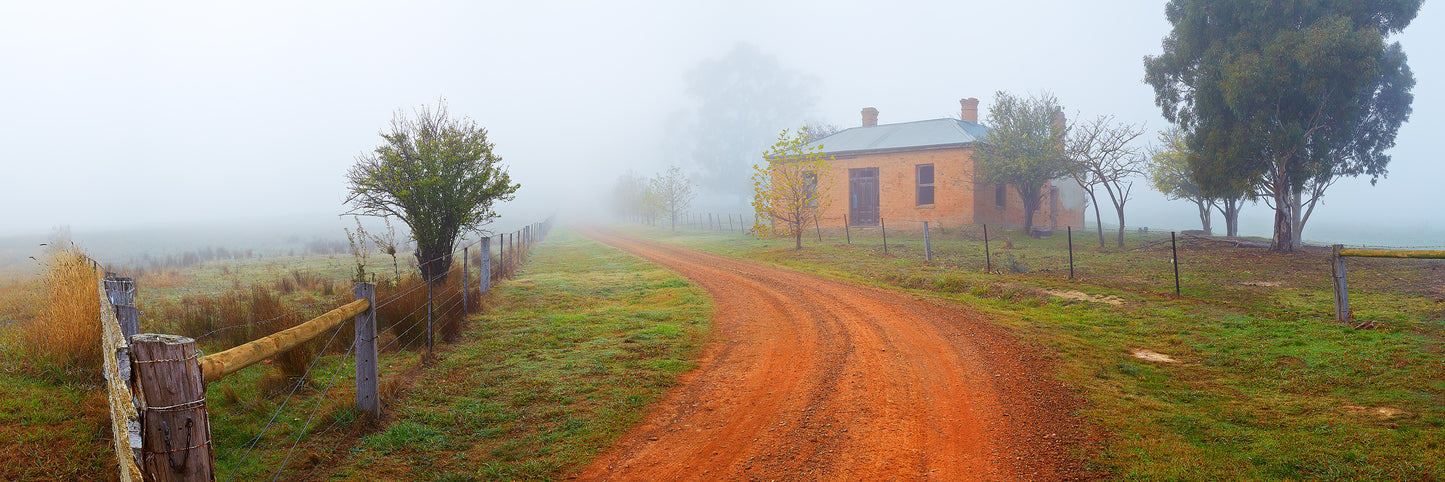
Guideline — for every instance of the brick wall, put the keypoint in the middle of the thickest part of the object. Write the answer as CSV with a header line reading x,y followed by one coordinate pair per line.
x,y
957,200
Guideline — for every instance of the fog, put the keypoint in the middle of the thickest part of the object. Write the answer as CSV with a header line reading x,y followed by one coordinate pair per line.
x,y
159,115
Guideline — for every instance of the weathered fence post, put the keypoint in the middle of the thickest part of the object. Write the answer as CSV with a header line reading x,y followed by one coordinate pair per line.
x,y
1175,251
368,395
987,259
121,292
883,225
847,232
927,245
484,284
1342,292
817,228
428,315
1071,251
176,430
466,257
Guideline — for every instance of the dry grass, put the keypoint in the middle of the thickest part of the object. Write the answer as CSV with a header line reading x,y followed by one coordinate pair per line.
x,y
403,310
64,335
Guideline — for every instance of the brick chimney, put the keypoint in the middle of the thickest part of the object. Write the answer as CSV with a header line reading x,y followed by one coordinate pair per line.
x,y
870,117
970,109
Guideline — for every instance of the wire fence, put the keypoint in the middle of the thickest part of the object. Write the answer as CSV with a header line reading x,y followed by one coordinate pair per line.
x,y
406,308
1184,263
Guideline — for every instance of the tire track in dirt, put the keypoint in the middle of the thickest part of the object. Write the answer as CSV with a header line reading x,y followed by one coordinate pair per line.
x,y
815,379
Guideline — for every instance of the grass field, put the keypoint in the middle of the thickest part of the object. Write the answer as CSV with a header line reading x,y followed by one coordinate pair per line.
x,y
565,358
1263,386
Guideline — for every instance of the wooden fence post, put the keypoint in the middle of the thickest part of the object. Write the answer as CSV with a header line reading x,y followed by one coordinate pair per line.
x,y
121,292
428,315
1071,252
1173,249
987,258
485,283
176,430
846,231
883,225
817,228
466,258
1342,292
927,246
368,395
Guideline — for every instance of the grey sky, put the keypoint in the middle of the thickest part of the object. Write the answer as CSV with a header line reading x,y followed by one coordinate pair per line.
x,y
207,111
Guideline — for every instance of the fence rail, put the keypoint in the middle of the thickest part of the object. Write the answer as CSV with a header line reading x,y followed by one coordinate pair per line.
x,y
157,382
1340,283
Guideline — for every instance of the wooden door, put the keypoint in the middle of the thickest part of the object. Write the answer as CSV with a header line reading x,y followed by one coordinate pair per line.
x,y
863,196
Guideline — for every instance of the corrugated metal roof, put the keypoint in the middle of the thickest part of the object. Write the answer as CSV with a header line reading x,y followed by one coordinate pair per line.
x,y
924,133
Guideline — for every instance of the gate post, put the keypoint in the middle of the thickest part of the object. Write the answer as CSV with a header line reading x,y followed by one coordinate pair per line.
x,y
175,428
368,395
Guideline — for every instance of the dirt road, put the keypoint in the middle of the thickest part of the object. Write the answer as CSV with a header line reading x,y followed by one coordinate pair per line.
x,y
815,379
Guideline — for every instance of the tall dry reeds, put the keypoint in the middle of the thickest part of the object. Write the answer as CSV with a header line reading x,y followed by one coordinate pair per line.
x,y
403,311
65,334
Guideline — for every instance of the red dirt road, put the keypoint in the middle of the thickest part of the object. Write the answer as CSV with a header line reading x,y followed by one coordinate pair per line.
x,y
815,379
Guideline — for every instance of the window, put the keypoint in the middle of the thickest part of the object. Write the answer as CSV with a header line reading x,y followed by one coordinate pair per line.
x,y
1000,193
924,175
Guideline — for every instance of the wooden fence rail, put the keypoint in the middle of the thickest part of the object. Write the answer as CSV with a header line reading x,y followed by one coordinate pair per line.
x,y
158,382
1341,284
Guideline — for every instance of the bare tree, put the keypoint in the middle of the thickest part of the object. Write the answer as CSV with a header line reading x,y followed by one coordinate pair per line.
x,y
1103,155
674,193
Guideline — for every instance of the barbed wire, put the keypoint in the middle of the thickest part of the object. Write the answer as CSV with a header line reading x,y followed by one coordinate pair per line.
x,y
301,381
319,399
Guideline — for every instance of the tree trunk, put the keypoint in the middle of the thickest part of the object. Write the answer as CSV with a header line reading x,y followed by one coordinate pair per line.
x,y
1204,211
1098,219
1031,205
1283,223
1295,212
1120,209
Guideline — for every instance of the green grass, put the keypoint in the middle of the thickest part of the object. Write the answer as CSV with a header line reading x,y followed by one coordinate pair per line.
x,y
1268,387
565,361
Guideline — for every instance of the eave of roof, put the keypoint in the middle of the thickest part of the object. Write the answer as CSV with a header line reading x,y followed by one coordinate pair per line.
x,y
916,135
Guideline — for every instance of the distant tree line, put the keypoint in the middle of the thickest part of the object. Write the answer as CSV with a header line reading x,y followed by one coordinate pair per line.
x,y
665,196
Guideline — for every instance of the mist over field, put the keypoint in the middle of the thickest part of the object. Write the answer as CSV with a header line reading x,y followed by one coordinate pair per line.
x,y
204,124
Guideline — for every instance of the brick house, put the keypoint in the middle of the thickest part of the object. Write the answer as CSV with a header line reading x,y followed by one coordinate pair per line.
x,y
923,170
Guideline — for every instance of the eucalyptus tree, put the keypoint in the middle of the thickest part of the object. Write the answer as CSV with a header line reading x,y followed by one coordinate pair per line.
x,y
1284,96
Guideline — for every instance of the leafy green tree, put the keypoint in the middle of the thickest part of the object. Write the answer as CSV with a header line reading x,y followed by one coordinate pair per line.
x,y
1024,147
435,173
1169,172
791,189
672,193
1283,95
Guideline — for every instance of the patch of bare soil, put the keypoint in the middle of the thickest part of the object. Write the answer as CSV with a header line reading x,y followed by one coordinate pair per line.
x,y
816,379
1265,284
1152,356
1383,413
1082,296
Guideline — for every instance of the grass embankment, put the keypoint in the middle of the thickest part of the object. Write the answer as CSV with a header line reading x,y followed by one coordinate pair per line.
x,y
1265,386
571,352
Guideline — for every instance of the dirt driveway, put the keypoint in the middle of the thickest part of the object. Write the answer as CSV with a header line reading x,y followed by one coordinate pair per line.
x,y
815,379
